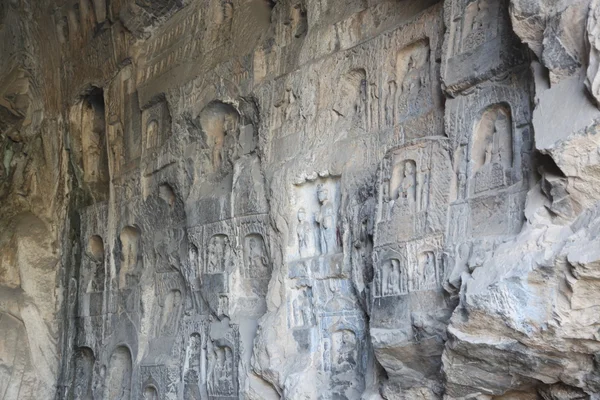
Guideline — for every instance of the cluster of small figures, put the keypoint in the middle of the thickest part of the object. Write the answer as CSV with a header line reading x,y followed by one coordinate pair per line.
x,y
219,254
220,379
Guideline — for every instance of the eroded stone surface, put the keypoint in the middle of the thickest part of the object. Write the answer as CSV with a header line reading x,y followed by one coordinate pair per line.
x,y
299,199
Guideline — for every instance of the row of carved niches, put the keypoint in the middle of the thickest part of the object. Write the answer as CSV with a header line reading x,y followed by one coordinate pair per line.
x,y
414,191
94,380
205,360
492,148
200,29
390,83
480,43
234,264
100,293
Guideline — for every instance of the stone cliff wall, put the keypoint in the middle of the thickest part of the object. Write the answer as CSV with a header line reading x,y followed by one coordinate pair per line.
x,y
299,199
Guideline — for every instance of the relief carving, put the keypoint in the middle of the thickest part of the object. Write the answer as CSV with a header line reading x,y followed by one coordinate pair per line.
x,y
220,125
391,279
171,312
326,218
131,256
219,254
194,373
317,226
156,121
256,257
222,362
84,370
492,155
301,314
118,375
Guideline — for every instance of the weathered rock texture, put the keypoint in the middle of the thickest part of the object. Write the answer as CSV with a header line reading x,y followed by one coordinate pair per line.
x,y
299,199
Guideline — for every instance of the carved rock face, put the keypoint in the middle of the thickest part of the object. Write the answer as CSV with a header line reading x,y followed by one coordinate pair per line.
x,y
304,199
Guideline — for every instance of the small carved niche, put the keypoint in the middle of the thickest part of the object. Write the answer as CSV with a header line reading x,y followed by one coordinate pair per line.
x,y
412,67
95,248
301,314
351,98
427,274
219,254
492,149
391,278
93,141
317,218
118,376
193,373
220,124
84,369
130,241
256,258
166,193
150,393
345,351
477,24
220,379
156,122
403,184
152,137
171,312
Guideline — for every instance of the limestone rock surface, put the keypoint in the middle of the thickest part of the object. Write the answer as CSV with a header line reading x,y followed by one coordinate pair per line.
x,y
299,199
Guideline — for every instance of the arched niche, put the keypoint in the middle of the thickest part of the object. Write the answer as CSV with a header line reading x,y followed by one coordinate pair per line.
x,y
412,66
93,140
171,311
220,124
152,134
491,155
167,194
130,245
256,258
193,372
95,248
219,254
150,393
493,137
344,351
427,273
84,369
117,384
403,184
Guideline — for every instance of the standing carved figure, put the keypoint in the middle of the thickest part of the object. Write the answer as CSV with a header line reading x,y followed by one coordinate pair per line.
x,y
428,277
225,254
304,232
213,255
409,190
257,260
326,220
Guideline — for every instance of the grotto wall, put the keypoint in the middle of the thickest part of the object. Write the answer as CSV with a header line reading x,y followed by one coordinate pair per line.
x,y
299,199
